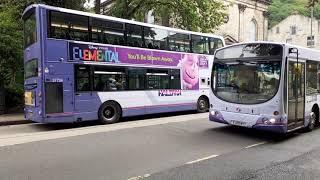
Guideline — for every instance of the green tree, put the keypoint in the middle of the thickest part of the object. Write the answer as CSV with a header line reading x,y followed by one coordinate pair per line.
x,y
280,9
312,3
97,4
194,15
11,43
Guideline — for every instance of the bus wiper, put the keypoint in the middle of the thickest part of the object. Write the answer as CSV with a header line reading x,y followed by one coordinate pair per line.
x,y
220,62
243,61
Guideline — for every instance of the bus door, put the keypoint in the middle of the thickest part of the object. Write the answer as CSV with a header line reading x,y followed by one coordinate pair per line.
x,y
296,93
85,99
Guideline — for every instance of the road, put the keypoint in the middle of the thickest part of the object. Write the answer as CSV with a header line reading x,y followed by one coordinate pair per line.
x,y
186,146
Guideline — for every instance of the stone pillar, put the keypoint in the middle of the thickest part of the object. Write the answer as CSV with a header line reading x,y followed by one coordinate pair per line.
x,y
241,8
265,25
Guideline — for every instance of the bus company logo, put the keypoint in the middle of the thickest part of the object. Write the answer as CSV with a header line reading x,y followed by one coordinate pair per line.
x,y
93,53
238,109
170,92
203,62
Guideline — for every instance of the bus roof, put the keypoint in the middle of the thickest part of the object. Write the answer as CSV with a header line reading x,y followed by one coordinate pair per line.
x,y
117,19
304,52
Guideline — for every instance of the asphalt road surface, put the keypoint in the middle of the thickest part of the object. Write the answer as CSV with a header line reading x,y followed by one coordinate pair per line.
x,y
186,146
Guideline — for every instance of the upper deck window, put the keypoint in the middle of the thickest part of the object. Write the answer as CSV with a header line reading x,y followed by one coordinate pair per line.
x,y
107,32
200,44
215,43
134,33
155,38
114,32
179,42
30,28
69,26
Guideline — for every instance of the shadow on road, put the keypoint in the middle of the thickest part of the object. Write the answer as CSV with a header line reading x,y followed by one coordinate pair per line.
x,y
61,126
255,134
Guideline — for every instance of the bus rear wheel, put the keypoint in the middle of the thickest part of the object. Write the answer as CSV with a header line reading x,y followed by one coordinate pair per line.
x,y
109,113
202,105
312,122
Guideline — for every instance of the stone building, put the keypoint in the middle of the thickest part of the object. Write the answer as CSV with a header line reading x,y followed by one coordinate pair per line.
x,y
246,20
296,29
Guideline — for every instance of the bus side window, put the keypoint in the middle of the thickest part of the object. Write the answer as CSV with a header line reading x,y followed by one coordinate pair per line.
x,y
215,44
179,42
134,35
136,79
83,78
200,44
158,79
107,32
175,80
155,38
109,79
311,77
69,26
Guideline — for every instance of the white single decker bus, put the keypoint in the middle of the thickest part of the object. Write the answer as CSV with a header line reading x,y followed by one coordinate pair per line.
x,y
267,86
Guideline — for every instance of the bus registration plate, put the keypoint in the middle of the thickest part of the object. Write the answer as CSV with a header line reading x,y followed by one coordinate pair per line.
x,y
238,123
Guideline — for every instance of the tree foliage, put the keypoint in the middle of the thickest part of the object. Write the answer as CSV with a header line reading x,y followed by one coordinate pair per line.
x,y
11,43
195,15
281,9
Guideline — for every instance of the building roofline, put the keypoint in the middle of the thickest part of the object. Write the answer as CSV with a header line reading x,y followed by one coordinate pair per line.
x,y
290,16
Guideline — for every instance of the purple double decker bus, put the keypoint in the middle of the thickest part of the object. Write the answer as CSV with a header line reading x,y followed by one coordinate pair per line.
x,y
81,66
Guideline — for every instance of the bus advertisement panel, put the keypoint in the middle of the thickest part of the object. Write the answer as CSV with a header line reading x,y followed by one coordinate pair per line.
x,y
189,63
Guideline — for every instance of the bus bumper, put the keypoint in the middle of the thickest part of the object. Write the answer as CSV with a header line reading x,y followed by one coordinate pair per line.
x,y
217,116
271,128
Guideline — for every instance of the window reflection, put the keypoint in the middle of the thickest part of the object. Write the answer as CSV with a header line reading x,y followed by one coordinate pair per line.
x,y
247,82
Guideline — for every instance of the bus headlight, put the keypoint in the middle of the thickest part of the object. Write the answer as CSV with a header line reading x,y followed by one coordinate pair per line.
x,y
270,120
215,113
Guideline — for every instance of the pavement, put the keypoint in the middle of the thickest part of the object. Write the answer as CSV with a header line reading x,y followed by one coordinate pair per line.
x,y
12,119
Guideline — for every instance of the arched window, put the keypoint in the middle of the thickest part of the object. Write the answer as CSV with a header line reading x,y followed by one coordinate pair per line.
x,y
150,17
253,30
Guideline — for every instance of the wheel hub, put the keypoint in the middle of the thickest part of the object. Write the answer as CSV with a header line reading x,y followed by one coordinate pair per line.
x,y
109,113
202,104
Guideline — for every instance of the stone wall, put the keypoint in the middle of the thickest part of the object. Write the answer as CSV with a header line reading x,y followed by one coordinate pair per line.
x,y
244,16
285,32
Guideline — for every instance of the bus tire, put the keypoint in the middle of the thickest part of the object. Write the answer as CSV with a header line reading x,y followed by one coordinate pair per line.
x,y
203,104
312,122
109,112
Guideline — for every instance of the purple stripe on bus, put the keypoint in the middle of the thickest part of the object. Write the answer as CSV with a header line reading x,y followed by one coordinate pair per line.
x,y
163,105
157,109
61,114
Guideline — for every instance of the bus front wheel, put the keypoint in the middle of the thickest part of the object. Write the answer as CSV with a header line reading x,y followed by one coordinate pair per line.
x,y
203,104
109,112
312,122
